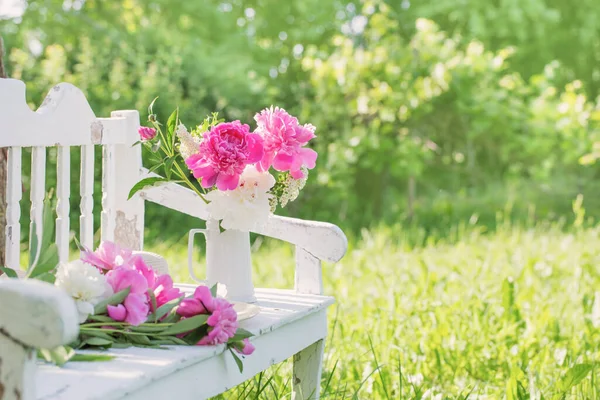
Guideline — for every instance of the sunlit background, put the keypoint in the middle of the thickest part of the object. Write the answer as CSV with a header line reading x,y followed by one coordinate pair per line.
x,y
457,143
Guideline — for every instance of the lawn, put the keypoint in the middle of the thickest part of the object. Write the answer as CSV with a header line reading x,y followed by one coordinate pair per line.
x,y
513,313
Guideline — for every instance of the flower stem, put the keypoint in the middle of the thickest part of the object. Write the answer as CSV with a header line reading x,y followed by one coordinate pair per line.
x,y
190,184
124,332
94,324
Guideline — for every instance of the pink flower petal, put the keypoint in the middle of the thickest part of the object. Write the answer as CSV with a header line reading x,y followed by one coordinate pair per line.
x,y
202,293
227,182
297,174
283,162
309,157
117,312
191,307
137,309
255,148
248,348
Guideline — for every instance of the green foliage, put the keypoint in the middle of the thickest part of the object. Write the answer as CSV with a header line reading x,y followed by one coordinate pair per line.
x,y
474,313
435,110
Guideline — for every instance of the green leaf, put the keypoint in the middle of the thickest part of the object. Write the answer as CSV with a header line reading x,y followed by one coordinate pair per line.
x,y
100,318
186,325
140,339
171,318
136,143
11,273
194,337
96,341
47,223
47,277
156,166
574,376
47,261
91,357
113,300
171,126
34,244
240,335
151,106
153,303
148,328
165,309
213,290
98,334
144,183
169,166
239,362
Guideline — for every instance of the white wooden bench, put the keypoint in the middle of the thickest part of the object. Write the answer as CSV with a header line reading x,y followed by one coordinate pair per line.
x,y
37,315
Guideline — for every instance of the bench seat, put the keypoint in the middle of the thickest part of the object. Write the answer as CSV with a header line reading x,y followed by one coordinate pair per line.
x,y
135,372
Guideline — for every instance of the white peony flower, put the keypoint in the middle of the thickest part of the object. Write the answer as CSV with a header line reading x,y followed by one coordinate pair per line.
x,y
85,284
245,207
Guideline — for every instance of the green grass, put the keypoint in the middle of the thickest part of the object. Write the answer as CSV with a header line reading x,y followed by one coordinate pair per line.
x,y
513,313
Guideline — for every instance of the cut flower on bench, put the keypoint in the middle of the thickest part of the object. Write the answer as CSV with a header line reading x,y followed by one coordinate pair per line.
x,y
122,301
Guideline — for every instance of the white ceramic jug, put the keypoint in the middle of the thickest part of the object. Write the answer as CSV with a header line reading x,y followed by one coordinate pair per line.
x,y
228,261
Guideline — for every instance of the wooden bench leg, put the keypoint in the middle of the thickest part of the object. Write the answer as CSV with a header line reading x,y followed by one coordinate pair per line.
x,y
307,372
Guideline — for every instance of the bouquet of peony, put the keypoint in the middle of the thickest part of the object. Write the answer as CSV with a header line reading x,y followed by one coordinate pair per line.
x,y
122,301
231,165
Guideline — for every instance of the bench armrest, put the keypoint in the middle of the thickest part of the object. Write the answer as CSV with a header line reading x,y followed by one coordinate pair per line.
x,y
37,314
323,240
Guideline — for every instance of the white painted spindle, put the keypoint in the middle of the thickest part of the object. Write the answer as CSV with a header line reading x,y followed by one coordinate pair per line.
x,y
13,208
37,194
108,192
63,193
86,219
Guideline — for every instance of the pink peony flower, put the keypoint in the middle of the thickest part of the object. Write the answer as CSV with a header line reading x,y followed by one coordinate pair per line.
x,y
224,153
284,139
134,309
247,349
222,323
201,303
161,285
146,133
164,290
107,256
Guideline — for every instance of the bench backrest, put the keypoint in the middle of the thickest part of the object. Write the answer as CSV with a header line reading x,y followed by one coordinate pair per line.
x,y
66,120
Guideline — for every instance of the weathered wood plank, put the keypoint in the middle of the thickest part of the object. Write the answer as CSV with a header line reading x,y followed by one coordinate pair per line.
x,y
128,214
17,375
309,276
86,190
47,126
13,208
306,381
37,193
109,177
63,195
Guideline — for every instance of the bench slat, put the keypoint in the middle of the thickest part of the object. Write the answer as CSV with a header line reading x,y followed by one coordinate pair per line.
x,y
13,208
38,191
108,192
86,190
63,194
